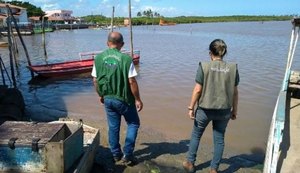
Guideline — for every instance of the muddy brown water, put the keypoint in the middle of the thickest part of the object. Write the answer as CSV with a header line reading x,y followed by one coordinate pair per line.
x,y
168,64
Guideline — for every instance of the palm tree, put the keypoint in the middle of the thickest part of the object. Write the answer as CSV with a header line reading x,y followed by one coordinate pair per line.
x,y
144,13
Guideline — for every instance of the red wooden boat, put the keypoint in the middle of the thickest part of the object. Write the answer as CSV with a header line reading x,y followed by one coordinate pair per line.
x,y
73,67
64,68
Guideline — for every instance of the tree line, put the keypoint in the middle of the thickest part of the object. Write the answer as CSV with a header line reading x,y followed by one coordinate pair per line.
x,y
145,20
148,13
149,17
32,10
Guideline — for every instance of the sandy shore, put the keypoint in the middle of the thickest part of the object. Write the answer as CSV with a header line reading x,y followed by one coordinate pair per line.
x,y
156,152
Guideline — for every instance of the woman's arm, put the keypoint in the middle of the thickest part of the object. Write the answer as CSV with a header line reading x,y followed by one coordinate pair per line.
x,y
195,97
235,103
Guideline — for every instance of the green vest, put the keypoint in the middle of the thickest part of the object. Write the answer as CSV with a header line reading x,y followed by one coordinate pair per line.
x,y
219,79
112,68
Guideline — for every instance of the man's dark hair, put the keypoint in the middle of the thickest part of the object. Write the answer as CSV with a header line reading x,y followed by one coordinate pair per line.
x,y
115,37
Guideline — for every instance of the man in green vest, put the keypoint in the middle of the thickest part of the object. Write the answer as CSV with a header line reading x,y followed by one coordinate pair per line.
x,y
114,79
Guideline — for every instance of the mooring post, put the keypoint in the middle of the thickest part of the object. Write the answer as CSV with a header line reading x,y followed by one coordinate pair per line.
x,y
21,39
112,19
44,37
130,29
2,73
11,61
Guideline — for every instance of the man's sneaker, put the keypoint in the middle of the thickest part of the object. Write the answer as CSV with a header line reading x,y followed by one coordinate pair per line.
x,y
118,157
188,167
129,160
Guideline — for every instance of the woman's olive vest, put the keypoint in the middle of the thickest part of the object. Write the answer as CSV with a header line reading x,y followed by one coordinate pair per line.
x,y
219,80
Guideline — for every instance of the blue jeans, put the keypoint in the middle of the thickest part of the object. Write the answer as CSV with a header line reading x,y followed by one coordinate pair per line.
x,y
219,120
114,110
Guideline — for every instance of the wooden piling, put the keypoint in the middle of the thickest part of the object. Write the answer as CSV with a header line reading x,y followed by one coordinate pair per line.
x,y
2,73
44,37
11,61
112,20
130,29
20,36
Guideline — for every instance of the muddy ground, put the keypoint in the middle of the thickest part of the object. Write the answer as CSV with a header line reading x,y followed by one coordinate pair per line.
x,y
158,154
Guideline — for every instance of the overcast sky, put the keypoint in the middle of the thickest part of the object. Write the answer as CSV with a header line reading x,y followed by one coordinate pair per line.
x,y
172,8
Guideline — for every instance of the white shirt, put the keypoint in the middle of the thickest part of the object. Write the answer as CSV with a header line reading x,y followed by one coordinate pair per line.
x,y
132,72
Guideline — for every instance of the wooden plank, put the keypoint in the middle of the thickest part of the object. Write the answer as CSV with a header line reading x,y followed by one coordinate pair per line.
x,y
294,86
26,131
295,77
61,134
280,112
73,148
87,160
291,142
54,156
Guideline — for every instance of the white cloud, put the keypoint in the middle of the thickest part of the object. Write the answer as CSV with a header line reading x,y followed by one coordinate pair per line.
x,y
47,7
164,11
47,4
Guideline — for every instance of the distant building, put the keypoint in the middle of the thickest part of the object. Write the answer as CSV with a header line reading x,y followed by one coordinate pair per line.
x,y
126,22
19,13
60,16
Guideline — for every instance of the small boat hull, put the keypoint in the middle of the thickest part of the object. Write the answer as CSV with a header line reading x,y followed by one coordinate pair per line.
x,y
63,69
74,67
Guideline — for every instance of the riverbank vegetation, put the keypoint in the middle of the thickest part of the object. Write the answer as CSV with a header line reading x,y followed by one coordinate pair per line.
x,y
145,20
149,17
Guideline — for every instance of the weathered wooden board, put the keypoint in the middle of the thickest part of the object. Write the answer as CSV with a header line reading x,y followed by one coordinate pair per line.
x,y
26,131
295,77
91,143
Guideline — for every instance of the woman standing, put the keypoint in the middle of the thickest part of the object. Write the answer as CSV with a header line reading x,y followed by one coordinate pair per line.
x,y
215,96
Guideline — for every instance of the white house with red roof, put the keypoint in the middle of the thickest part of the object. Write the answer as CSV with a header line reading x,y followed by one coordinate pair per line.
x,y
64,16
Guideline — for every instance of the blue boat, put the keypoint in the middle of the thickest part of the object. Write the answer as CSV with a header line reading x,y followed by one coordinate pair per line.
x,y
282,153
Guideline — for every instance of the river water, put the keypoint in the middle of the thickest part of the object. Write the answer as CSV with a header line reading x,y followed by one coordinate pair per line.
x,y
168,64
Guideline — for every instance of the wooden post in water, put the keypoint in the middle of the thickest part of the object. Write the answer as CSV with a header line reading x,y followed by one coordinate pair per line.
x,y
44,37
2,73
10,46
130,29
20,36
13,40
112,20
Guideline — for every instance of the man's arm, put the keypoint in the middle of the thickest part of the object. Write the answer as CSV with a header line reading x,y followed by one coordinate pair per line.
x,y
135,91
97,89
